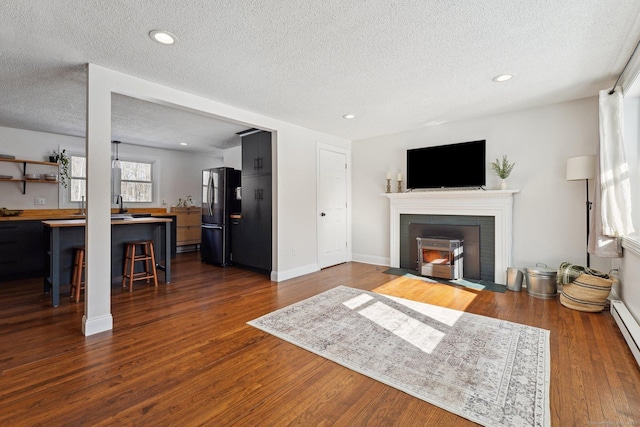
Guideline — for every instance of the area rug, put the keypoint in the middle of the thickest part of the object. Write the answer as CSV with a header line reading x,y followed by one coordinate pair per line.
x,y
481,285
492,372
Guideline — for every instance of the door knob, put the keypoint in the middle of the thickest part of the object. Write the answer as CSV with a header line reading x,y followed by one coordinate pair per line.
x,y
323,214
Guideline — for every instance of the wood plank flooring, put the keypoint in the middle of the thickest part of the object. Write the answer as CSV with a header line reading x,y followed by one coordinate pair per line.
x,y
182,354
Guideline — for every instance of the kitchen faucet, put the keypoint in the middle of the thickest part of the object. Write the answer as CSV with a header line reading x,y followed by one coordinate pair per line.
x,y
120,202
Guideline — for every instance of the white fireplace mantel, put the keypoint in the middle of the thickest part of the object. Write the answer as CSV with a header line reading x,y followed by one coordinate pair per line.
x,y
495,203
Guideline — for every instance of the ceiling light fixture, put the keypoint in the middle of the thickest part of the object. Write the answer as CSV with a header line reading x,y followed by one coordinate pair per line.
x,y
349,116
183,143
502,78
162,37
115,163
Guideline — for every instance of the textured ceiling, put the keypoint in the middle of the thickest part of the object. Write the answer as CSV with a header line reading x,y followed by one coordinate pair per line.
x,y
396,65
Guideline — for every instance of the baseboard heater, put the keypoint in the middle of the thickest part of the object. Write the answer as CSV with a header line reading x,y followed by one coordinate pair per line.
x,y
628,326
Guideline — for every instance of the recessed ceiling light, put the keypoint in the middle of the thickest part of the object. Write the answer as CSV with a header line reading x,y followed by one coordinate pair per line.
x,y
183,143
162,37
349,116
502,78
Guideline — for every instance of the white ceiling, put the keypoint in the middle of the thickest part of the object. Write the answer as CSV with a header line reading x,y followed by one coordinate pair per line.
x,y
396,65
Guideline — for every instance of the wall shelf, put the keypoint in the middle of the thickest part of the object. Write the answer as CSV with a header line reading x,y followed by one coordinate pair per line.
x,y
24,172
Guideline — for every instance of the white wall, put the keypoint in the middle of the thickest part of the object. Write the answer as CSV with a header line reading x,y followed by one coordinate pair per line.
x,y
628,287
30,146
179,171
549,212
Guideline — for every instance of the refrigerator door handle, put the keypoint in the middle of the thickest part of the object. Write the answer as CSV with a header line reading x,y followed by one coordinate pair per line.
x,y
209,193
214,227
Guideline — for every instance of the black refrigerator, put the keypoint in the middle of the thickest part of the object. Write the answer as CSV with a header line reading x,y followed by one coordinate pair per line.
x,y
220,200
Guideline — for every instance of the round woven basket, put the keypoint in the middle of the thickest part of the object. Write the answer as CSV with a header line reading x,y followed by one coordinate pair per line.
x,y
586,293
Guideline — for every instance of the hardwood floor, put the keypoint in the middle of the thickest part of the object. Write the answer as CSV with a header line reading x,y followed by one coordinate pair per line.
x,y
182,354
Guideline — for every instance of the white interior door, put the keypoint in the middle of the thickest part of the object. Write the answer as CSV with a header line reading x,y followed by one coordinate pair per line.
x,y
332,207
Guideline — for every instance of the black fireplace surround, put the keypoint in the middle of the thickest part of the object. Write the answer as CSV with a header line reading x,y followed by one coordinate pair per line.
x,y
478,233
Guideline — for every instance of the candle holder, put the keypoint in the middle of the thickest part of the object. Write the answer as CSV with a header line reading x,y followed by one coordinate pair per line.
x,y
388,185
399,186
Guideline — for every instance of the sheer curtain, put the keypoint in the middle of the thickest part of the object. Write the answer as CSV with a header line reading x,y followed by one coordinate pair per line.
x,y
613,195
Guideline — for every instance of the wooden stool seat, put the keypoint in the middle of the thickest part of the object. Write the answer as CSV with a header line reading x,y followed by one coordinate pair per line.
x,y
132,256
77,282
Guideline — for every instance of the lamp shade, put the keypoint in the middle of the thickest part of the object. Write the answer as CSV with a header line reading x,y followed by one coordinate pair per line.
x,y
581,167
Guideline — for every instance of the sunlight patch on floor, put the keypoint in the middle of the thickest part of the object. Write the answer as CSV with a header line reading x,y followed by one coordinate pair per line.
x,y
431,293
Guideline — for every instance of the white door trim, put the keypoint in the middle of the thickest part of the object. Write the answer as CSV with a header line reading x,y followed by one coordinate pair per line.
x,y
347,154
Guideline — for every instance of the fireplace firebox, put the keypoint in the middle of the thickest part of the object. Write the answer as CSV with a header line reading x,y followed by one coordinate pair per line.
x,y
440,257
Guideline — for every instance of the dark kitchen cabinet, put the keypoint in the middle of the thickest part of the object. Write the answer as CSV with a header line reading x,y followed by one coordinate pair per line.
x,y
251,235
256,154
21,249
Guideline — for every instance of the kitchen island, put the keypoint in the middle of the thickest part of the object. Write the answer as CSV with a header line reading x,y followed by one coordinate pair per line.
x,y
62,235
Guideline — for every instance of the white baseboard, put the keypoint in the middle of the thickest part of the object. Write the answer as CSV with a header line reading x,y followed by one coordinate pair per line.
x,y
628,326
96,325
280,276
371,259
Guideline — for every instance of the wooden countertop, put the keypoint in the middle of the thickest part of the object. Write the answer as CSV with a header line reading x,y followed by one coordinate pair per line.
x,y
55,214
81,222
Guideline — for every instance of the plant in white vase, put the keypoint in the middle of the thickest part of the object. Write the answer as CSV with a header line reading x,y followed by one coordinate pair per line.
x,y
503,170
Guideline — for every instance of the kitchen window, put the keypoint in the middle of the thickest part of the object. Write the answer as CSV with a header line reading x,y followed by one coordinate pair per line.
x,y
136,183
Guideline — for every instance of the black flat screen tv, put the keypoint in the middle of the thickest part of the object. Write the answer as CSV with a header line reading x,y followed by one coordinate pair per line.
x,y
447,166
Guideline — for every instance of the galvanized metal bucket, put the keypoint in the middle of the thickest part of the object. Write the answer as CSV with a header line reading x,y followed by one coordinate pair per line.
x,y
514,279
541,281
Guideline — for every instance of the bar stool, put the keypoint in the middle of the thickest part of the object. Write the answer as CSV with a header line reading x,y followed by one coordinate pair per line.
x,y
131,257
77,284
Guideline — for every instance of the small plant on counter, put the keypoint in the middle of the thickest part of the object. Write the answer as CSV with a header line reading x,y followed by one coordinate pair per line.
x,y
62,159
502,169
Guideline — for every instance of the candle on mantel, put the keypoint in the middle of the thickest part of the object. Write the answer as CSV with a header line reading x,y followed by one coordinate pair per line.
x,y
388,175
399,177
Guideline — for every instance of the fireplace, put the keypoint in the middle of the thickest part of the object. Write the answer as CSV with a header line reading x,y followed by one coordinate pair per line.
x,y
494,205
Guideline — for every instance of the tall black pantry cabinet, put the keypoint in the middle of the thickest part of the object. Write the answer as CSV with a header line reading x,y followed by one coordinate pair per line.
x,y
251,234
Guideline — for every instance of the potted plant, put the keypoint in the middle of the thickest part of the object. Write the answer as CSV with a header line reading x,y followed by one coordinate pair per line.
x,y
503,170
61,158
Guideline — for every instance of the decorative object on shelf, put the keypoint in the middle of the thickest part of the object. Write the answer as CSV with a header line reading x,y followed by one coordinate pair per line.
x,y
7,156
9,212
578,168
388,182
399,183
503,170
51,176
62,159
187,202
32,176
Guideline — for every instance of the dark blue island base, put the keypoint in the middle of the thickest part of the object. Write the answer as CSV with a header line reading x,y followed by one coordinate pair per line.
x,y
63,235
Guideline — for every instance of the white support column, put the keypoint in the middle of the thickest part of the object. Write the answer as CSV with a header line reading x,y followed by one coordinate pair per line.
x,y
97,317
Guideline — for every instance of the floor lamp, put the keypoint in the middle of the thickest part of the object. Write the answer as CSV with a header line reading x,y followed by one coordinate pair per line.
x,y
578,168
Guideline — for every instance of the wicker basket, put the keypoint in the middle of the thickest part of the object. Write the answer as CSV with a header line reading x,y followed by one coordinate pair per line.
x,y
586,293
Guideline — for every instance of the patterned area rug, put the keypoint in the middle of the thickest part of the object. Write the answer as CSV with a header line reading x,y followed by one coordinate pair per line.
x,y
492,372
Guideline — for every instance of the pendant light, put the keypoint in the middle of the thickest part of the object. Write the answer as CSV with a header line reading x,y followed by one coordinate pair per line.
x,y
115,164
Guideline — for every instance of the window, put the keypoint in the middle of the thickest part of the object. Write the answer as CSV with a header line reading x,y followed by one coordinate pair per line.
x,y
136,185
78,181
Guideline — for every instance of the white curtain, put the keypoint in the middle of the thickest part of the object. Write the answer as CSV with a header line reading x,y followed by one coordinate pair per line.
x,y
615,193
599,244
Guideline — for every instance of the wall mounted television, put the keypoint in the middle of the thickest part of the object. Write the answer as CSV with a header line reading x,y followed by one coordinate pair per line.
x,y
447,166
